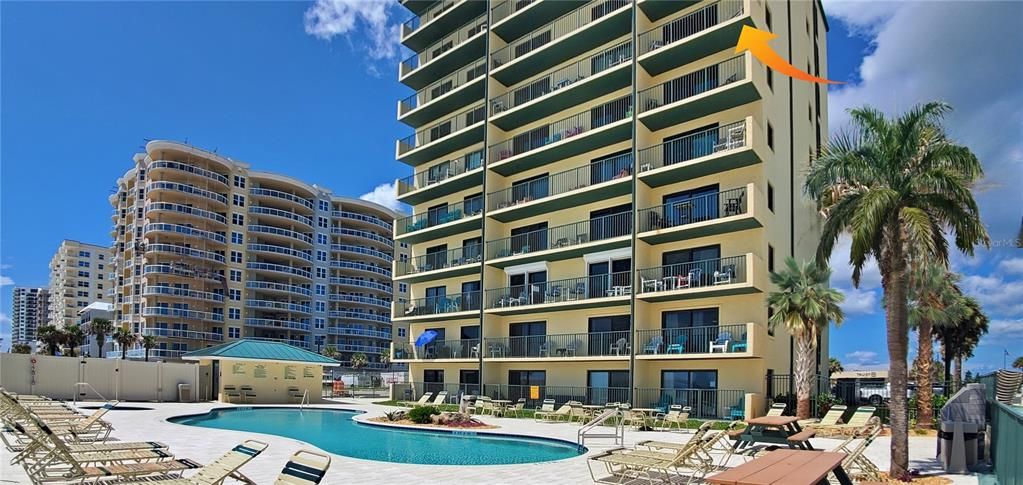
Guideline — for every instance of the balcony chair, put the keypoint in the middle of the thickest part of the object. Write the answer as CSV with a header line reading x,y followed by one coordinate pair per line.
x,y
411,310
475,352
721,343
733,206
570,349
679,347
652,285
620,346
740,345
735,138
654,345
738,411
553,294
578,293
545,350
724,276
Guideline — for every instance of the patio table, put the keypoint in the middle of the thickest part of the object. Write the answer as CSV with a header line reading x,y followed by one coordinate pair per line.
x,y
789,467
774,430
501,406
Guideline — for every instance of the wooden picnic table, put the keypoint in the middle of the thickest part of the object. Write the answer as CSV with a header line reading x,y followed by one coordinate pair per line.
x,y
788,467
774,430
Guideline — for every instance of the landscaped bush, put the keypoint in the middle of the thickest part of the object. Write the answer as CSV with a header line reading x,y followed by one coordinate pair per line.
x,y
421,414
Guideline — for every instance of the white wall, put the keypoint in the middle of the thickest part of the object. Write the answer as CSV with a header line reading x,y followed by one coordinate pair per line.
x,y
124,380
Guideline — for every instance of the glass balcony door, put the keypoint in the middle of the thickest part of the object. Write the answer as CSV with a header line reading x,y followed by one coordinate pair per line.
x,y
526,339
604,386
519,382
601,279
691,206
687,331
701,263
469,381
690,145
691,388
433,380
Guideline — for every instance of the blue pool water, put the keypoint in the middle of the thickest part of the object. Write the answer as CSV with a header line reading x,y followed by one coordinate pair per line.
x,y
335,431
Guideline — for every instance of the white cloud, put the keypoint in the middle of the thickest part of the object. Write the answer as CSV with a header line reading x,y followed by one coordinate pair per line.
x,y
955,51
368,25
863,360
841,270
859,302
998,296
385,195
4,318
1011,266
1000,330
6,281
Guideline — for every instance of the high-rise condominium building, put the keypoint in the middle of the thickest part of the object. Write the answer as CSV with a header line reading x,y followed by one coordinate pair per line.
x,y
29,311
78,273
600,191
208,250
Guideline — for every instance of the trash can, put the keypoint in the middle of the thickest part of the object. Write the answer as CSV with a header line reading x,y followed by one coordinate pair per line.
x,y
184,393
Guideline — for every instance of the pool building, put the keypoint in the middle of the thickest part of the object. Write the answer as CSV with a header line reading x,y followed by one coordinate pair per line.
x,y
600,191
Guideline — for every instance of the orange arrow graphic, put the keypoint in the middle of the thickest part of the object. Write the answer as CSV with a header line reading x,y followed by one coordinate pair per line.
x,y
755,40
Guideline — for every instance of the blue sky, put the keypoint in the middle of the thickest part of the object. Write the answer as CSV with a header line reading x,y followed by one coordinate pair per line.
x,y
309,89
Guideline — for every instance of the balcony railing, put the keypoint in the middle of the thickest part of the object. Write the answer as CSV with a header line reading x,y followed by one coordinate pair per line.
x,y
156,311
259,191
608,113
273,286
435,261
357,332
438,305
294,342
562,78
153,290
688,25
703,403
357,265
438,349
274,323
693,146
568,235
281,232
552,32
692,84
362,315
700,208
342,231
373,285
441,172
366,300
271,248
362,250
695,274
565,290
504,9
594,173
186,189
185,209
184,230
185,270
270,211
445,85
441,215
183,334
355,216
184,167
413,24
184,251
597,396
278,305
441,129
452,41
693,340
594,344
279,268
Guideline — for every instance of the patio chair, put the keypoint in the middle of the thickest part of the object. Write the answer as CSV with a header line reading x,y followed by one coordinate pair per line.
x,y
222,468
679,347
543,410
440,398
578,293
651,285
738,410
577,413
721,343
230,393
421,402
860,417
487,406
724,276
248,394
564,412
777,409
620,346
677,416
830,418
649,460
654,345
304,468
517,408
545,349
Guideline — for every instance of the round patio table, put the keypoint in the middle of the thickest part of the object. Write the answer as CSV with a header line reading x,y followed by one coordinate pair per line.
x,y
501,405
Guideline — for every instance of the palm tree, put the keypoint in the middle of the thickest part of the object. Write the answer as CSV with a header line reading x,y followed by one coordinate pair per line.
x,y
21,349
959,340
101,328
148,342
895,184
358,361
124,338
834,366
934,301
73,338
330,352
1018,363
52,336
805,305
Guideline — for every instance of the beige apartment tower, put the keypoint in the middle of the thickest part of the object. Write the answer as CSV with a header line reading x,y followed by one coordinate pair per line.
x,y
29,311
600,191
208,250
78,277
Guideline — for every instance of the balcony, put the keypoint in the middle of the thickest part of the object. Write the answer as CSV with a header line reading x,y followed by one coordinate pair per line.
x,y
597,127
183,168
443,16
182,270
357,218
733,275
562,242
279,269
597,396
259,192
568,36
172,208
284,216
362,300
574,346
417,7
293,342
160,311
462,46
140,353
709,342
437,308
658,9
280,288
514,18
187,190
453,262
167,290
442,179
185,251
595,181
360,283
703,403
583,292
446,136
445,221
693,36
358,332
183,334
706,215
367,235
710,151
696,94
465,350
360,315
363,251
189,231
277,324
284,306
363,267
277,233
560,90
296,255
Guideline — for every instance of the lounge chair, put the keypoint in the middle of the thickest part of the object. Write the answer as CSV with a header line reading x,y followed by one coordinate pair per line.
x,y
856,464
860,417
304,468
439,399
230,393
295,395
545,409
648,460
222,468
777,409
421,402
830,418
248,394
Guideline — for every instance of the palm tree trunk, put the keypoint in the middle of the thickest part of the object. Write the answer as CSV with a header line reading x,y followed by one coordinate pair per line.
x,y
804,373
893,278
958,375
925,364
147,354
946,352
124,352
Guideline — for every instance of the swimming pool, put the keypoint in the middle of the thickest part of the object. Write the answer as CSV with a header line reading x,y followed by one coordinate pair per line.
x,y
334,430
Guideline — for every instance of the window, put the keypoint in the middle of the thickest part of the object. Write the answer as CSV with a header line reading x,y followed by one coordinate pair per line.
x,y
770,136
401,332
325,206
239,181
99,266
404,245
234,294
236,275
770,258
321,289
323,222
83,274
321,255
321,272
234,313
84,254
99,286
321,238
234,332
83,284
83,264
236,256
239,200
237,219
321,306
319,323
770,197
402,288
101,257
237,238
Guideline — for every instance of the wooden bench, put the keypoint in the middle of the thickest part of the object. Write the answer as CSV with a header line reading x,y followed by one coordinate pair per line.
x,y
802,436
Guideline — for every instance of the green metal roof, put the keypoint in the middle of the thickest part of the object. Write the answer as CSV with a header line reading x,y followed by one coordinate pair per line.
x,y
259,350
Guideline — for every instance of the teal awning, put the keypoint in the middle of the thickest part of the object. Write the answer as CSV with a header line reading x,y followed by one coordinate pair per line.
x,y
250,349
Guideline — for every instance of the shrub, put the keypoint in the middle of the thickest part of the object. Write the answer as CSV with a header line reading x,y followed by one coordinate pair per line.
x,y
421,414
395,415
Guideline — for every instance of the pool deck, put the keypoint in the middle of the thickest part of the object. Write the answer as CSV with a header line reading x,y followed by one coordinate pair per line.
x,y
204,444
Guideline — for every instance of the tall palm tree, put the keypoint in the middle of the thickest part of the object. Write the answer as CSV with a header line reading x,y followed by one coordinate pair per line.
x,y
124,338
73,338
1018,363
330,352
148,342
894,184
51,336
805,305
834,366
934,301
101,328
959,340
358,361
